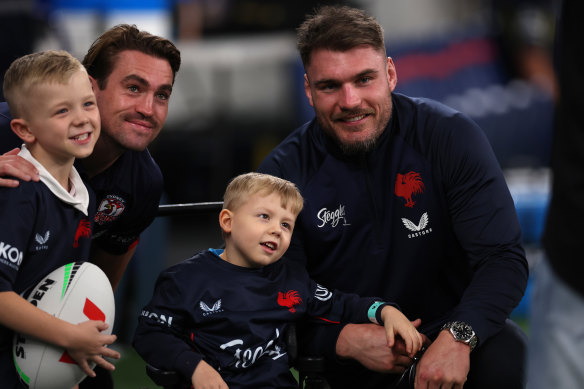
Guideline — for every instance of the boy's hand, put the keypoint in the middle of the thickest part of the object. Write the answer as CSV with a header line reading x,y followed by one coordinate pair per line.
x,y
87,344
206,377
14,165
396,323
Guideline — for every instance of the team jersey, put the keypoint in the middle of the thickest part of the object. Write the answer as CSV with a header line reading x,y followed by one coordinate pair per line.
x,y
425,220
235,318
39,233
128,193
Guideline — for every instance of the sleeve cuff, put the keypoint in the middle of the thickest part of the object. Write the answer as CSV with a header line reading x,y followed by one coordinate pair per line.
x,y
186,363
374,312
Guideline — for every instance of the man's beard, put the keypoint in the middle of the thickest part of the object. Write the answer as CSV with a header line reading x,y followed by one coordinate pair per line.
x,y
358,147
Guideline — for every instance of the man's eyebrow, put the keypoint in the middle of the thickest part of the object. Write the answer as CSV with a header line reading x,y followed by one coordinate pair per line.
x,y
143,81
333,81
135,77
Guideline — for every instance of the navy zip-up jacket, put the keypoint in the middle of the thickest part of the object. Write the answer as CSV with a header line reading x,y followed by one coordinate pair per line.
x,y
425,219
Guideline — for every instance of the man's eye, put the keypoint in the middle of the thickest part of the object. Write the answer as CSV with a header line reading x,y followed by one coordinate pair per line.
x,y
163,96
328,87
133,88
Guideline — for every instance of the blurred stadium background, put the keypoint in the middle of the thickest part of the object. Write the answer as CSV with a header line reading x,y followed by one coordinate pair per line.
x,y
240,92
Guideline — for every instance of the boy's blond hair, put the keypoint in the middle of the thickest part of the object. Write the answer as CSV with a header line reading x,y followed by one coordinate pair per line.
x,y
249,184
45,67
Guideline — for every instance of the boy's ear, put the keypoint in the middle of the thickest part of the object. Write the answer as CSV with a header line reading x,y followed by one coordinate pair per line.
x,y
21,129
225,218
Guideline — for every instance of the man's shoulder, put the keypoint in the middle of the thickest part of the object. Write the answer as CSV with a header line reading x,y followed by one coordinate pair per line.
x,y
428,124
295,152
141,163
134,170
424,112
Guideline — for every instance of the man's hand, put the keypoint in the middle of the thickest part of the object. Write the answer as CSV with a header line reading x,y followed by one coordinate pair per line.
x,y
367,344
206,377
13,165
444,365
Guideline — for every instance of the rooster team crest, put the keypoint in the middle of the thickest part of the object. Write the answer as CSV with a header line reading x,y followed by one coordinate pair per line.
x,y
83,231
110,209
289,300
408,185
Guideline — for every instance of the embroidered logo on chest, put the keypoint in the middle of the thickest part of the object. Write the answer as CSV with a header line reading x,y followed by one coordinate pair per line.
x,y
83,231
419,229
289,300
42,241
216,308
110,208
333,217
408,185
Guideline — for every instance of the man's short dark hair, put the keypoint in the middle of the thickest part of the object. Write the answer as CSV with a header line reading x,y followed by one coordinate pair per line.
x,y
338,28
102,55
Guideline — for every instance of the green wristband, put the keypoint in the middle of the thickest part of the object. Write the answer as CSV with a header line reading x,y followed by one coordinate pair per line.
x,y
372,313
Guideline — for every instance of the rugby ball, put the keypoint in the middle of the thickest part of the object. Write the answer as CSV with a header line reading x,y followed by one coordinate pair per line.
x,y
76,292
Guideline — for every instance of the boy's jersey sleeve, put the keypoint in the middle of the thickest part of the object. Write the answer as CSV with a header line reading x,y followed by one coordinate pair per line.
x,y
161,337
334,306
17,213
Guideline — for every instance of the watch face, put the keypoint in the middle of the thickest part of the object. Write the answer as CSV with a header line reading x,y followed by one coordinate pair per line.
x,y
462,331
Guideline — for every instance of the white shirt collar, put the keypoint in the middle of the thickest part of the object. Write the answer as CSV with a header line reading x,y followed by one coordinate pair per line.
x,y
79,196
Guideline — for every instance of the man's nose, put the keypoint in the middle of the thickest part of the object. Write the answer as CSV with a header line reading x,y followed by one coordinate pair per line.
x,y
350,97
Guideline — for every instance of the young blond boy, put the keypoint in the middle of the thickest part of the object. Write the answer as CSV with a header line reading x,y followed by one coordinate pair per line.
x,y
47,224
218,317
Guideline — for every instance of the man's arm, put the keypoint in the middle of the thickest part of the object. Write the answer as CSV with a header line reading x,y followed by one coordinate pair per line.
x,y
367,344
11,164
113,265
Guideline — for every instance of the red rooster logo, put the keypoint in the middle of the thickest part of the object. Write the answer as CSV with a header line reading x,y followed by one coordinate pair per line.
x,y
289,299
83,231
407,185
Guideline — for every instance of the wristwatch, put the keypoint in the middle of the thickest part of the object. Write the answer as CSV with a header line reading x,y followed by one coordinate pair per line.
x,y
462,332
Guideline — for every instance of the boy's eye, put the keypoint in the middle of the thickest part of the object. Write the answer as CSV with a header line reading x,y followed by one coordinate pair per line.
x,y
264,216
62,110
286,226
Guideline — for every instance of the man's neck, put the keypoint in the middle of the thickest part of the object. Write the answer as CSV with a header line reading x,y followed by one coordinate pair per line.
x,y
105,153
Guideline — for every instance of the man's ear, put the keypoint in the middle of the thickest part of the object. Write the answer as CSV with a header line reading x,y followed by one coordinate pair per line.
x,y
225,219
94,85
391,74
21,129
307,90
